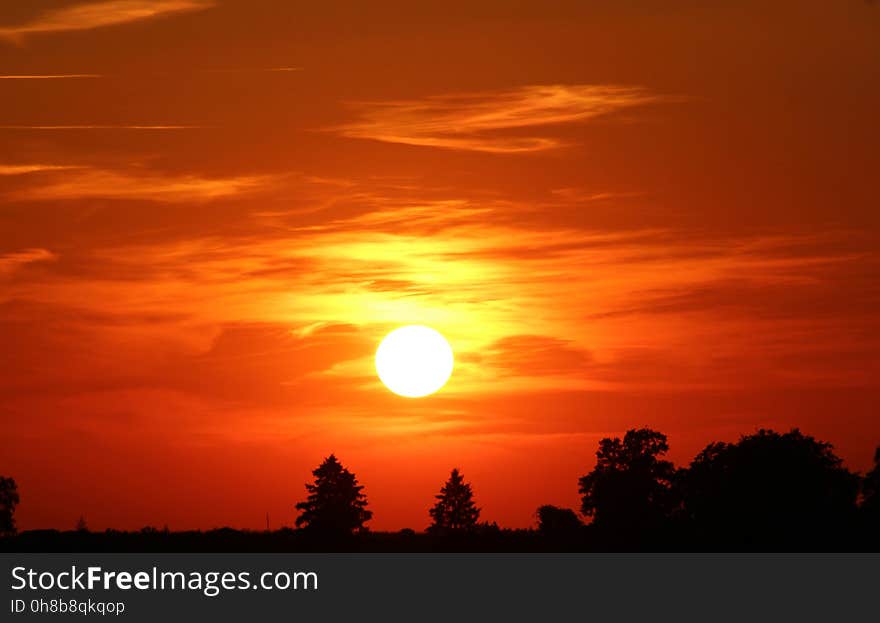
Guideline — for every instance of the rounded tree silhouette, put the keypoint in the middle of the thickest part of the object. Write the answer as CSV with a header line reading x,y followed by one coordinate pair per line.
x,y
630,488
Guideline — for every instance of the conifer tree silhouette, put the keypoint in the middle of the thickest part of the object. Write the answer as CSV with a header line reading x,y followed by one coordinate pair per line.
x,y
336,504
455,510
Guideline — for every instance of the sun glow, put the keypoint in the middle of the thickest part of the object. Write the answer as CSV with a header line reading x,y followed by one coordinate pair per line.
x,y
414,361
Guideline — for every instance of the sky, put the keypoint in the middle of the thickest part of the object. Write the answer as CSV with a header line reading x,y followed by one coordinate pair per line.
x,y
620,214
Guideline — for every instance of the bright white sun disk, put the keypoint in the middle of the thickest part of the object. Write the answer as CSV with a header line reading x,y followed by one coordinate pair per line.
x,y
414,361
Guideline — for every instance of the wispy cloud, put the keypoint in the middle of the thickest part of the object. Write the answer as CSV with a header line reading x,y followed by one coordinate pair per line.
x,y
11,261
95,76
99,14
84,182
101,127
645,309
262,69
24,169
535,355
483,121
582,195
48,76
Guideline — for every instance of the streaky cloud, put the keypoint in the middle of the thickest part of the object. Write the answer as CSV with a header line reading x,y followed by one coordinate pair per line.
x,y
482,121
90,15
259,69
102,127
11,261
49,76
24,169
85,182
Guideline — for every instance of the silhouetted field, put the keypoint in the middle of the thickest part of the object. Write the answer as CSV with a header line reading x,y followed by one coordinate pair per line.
x,y
766,492
858,537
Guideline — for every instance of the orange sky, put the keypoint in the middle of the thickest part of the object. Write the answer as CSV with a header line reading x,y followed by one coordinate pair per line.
x,y
620,214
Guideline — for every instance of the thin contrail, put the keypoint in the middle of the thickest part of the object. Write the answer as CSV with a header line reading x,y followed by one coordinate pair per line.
x,y
47,76
102,127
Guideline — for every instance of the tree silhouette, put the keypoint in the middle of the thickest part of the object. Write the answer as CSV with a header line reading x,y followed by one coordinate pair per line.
x,y
630,487
557,522
871,488
8,502
455,510
769,487
336,504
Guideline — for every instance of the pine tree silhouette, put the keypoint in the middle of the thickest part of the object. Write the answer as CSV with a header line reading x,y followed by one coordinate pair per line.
x,y
336,504
455,510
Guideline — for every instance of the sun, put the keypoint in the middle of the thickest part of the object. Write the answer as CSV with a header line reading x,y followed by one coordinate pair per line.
x,y
414,361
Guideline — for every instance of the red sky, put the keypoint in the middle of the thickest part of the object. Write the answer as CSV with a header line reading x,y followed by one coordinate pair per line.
x,y
620,214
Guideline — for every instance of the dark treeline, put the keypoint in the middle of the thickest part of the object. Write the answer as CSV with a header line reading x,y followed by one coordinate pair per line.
x,y
768,491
